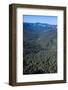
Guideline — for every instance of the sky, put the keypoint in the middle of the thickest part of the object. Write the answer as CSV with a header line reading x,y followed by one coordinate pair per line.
x,y
40,19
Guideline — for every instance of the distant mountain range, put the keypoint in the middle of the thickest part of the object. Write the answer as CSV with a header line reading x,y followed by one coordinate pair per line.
x,y
38,26
34,30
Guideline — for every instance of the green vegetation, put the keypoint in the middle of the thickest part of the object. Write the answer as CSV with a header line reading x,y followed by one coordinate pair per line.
x,y
40,52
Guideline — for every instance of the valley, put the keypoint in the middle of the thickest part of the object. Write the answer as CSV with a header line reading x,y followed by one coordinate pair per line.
x,y
39,48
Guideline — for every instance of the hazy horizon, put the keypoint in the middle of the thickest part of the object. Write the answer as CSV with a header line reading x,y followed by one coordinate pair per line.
x,y
40,19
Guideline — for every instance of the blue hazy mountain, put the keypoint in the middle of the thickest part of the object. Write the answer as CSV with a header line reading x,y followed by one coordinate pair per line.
x,y
40,48
38,26
33,30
